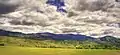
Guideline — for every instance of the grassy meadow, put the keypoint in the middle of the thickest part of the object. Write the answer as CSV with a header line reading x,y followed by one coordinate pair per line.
x,y
54,51
25,46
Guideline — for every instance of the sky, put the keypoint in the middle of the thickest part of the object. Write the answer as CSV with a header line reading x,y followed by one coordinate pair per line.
x,y
88,17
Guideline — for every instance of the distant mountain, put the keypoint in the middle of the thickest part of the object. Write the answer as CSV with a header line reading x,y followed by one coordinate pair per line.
x,y
109,40
64,36
47,35
8,33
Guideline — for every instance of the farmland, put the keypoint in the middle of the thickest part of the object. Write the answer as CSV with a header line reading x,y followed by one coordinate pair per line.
x,y
53,51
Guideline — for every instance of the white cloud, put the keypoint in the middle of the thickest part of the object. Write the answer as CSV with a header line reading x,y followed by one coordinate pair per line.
x,y
36,16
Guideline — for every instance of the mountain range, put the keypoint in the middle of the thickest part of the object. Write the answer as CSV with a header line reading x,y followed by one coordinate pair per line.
x,y
47,35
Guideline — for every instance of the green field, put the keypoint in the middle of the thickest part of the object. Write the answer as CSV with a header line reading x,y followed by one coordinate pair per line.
x,y
53,51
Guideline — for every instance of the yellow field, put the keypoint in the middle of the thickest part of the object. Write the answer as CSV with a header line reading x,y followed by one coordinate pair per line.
x,y
51,51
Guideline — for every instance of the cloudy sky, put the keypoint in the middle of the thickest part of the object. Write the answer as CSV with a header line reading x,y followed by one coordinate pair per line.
x,y
88,17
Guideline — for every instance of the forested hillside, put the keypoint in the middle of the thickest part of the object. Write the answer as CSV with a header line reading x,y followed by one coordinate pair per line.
x,y
74,44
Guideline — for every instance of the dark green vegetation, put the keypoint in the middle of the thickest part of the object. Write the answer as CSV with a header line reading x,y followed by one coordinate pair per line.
x,y
104,43
54,51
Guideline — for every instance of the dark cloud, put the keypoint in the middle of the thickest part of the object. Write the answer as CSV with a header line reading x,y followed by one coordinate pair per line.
x,y
22,22
94,5
7,6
